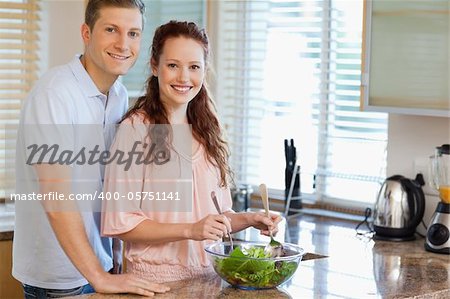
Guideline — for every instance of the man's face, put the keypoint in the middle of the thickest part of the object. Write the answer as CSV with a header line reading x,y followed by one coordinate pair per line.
x,y
113,44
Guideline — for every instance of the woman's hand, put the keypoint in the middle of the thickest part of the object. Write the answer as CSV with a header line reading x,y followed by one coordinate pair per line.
x,y
265,224
212,227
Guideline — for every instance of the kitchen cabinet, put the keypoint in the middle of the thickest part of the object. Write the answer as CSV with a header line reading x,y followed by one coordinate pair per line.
x,y
9,287
406,57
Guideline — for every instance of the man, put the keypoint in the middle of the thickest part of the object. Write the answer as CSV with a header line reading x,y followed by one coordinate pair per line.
x,y
57,250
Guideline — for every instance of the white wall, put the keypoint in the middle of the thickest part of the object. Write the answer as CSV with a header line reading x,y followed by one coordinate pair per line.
x,y
62,20
412,140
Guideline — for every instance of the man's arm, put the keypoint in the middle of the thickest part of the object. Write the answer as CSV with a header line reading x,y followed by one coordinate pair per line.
x,y
68,227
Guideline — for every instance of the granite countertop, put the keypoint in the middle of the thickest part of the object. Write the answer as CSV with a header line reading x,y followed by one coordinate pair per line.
x,y
355,267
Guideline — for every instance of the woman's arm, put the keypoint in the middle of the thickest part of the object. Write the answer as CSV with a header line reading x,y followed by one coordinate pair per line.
x,y
212,227
149,231
240,221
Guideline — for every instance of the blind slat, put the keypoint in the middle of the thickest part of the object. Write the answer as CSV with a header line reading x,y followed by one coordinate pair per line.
x,y
14,87
19,16
19,26
18,76
24,46
18,56
19,66
27,36
29,5
9,96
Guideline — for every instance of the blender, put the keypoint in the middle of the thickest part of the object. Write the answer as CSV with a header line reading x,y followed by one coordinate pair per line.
x,y
438,234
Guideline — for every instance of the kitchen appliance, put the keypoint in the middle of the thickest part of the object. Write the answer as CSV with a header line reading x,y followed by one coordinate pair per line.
x,y
438,235
399,208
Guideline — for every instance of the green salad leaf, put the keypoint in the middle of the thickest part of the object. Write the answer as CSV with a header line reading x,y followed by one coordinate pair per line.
x,y
251,272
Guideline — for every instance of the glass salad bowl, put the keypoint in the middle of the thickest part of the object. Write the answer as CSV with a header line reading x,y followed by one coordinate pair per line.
x,y
247,266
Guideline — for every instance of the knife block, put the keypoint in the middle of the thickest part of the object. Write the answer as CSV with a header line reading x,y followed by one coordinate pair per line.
x,y
295,201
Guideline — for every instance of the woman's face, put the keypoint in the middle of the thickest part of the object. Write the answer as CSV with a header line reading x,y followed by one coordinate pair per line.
x,y
180,71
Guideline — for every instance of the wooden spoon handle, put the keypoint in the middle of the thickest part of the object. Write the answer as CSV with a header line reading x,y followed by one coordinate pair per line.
x,y
264,197
265,200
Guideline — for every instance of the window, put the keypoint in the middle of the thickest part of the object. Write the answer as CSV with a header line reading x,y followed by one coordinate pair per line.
x,y
291,69
157,13
19,25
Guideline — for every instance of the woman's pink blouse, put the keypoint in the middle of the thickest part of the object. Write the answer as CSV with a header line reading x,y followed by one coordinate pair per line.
x,y
194,177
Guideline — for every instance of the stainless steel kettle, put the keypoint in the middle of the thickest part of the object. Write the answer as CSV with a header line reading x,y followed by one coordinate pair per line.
x,y
399,208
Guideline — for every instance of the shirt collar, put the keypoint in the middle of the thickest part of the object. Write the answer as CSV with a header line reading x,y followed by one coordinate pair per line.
x,y
88,86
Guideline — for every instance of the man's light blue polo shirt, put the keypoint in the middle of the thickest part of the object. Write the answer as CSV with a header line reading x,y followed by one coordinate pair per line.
x,y
64,97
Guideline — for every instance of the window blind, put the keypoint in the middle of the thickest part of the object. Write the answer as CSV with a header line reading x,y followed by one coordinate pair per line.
x,y
352,143
242,40
19,27
291,69
157,13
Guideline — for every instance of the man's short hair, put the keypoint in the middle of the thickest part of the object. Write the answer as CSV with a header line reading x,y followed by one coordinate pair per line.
x,y
94,6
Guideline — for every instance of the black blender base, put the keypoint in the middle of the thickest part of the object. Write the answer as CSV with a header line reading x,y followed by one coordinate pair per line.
x,y
441,251
393,239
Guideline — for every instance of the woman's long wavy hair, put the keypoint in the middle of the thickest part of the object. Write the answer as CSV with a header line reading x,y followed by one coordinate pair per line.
x,y
200,111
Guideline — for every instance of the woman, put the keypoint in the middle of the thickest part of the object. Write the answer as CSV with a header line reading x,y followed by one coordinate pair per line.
x,y
166,236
